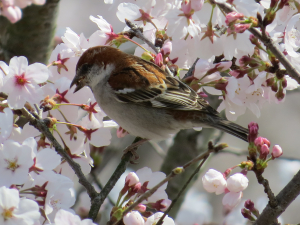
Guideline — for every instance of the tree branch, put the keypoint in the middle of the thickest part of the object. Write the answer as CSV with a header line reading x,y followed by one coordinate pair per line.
x,y
98,201
287,195
268,42
41,126
140,35
184,187
137,32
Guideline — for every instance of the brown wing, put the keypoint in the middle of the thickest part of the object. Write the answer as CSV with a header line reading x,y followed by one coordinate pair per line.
x,y
159,90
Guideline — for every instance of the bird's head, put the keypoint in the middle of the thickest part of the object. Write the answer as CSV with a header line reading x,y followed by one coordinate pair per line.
x,y
95,64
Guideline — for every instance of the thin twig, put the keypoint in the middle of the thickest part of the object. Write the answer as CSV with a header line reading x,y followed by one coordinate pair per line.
x,y
174,173
268,42
182,190
98,201
137,32
191,70
141,36
244,152
41,126
264,182
157,149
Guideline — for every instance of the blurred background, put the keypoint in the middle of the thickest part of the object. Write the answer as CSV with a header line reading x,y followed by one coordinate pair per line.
x,y
278,122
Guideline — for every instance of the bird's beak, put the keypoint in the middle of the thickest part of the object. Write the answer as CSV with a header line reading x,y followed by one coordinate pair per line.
x,y
78,84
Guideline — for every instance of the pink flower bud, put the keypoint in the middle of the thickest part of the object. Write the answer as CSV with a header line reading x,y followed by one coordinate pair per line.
x,y
264,152
12,13
133,218
284,83
165,204
160,205
166,48
159,60
260,141
270,81
186,7
280,95
247,214
131,179
253,39
249,204
6,3
237,182
277,151
121,132
240,28
223,65
233,16
141,208
202,94
253,131
274,87
245,60
197,4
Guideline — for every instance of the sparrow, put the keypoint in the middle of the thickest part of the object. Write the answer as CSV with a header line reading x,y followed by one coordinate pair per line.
x,y
142,98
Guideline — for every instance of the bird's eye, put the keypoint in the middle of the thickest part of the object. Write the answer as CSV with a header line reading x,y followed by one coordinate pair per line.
x,y
85,68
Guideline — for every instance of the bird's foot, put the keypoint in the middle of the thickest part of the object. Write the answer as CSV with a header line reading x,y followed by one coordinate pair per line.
x,y
133,148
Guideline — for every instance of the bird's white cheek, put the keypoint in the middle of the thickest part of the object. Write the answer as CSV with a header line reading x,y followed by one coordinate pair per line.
x,y
99,74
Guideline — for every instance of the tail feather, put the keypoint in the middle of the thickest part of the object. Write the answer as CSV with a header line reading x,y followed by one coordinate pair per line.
x,y
232,128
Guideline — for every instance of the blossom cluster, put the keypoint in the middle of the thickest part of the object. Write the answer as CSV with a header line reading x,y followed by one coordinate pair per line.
x,y
11,9
136,184
215,181
233,64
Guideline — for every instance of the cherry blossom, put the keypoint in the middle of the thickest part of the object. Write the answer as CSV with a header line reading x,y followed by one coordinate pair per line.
x,y
15,161
68,218
149,179
131,179
133,218
183,21
21,83
292,36
105,35
276,151
237,182
155,218
214,181
12,13
6,124
14,210
232,199
147,15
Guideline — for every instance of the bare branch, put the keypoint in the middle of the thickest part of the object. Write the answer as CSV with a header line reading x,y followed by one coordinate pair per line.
x,y
98,201
137,32
287,195
140,35
41,126
268,42
183,188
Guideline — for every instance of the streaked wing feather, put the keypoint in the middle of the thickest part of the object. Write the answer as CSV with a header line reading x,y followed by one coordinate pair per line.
x,y
167,92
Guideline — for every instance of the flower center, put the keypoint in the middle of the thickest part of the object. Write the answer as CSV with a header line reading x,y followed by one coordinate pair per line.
x,y
12,165
8,213
21,80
